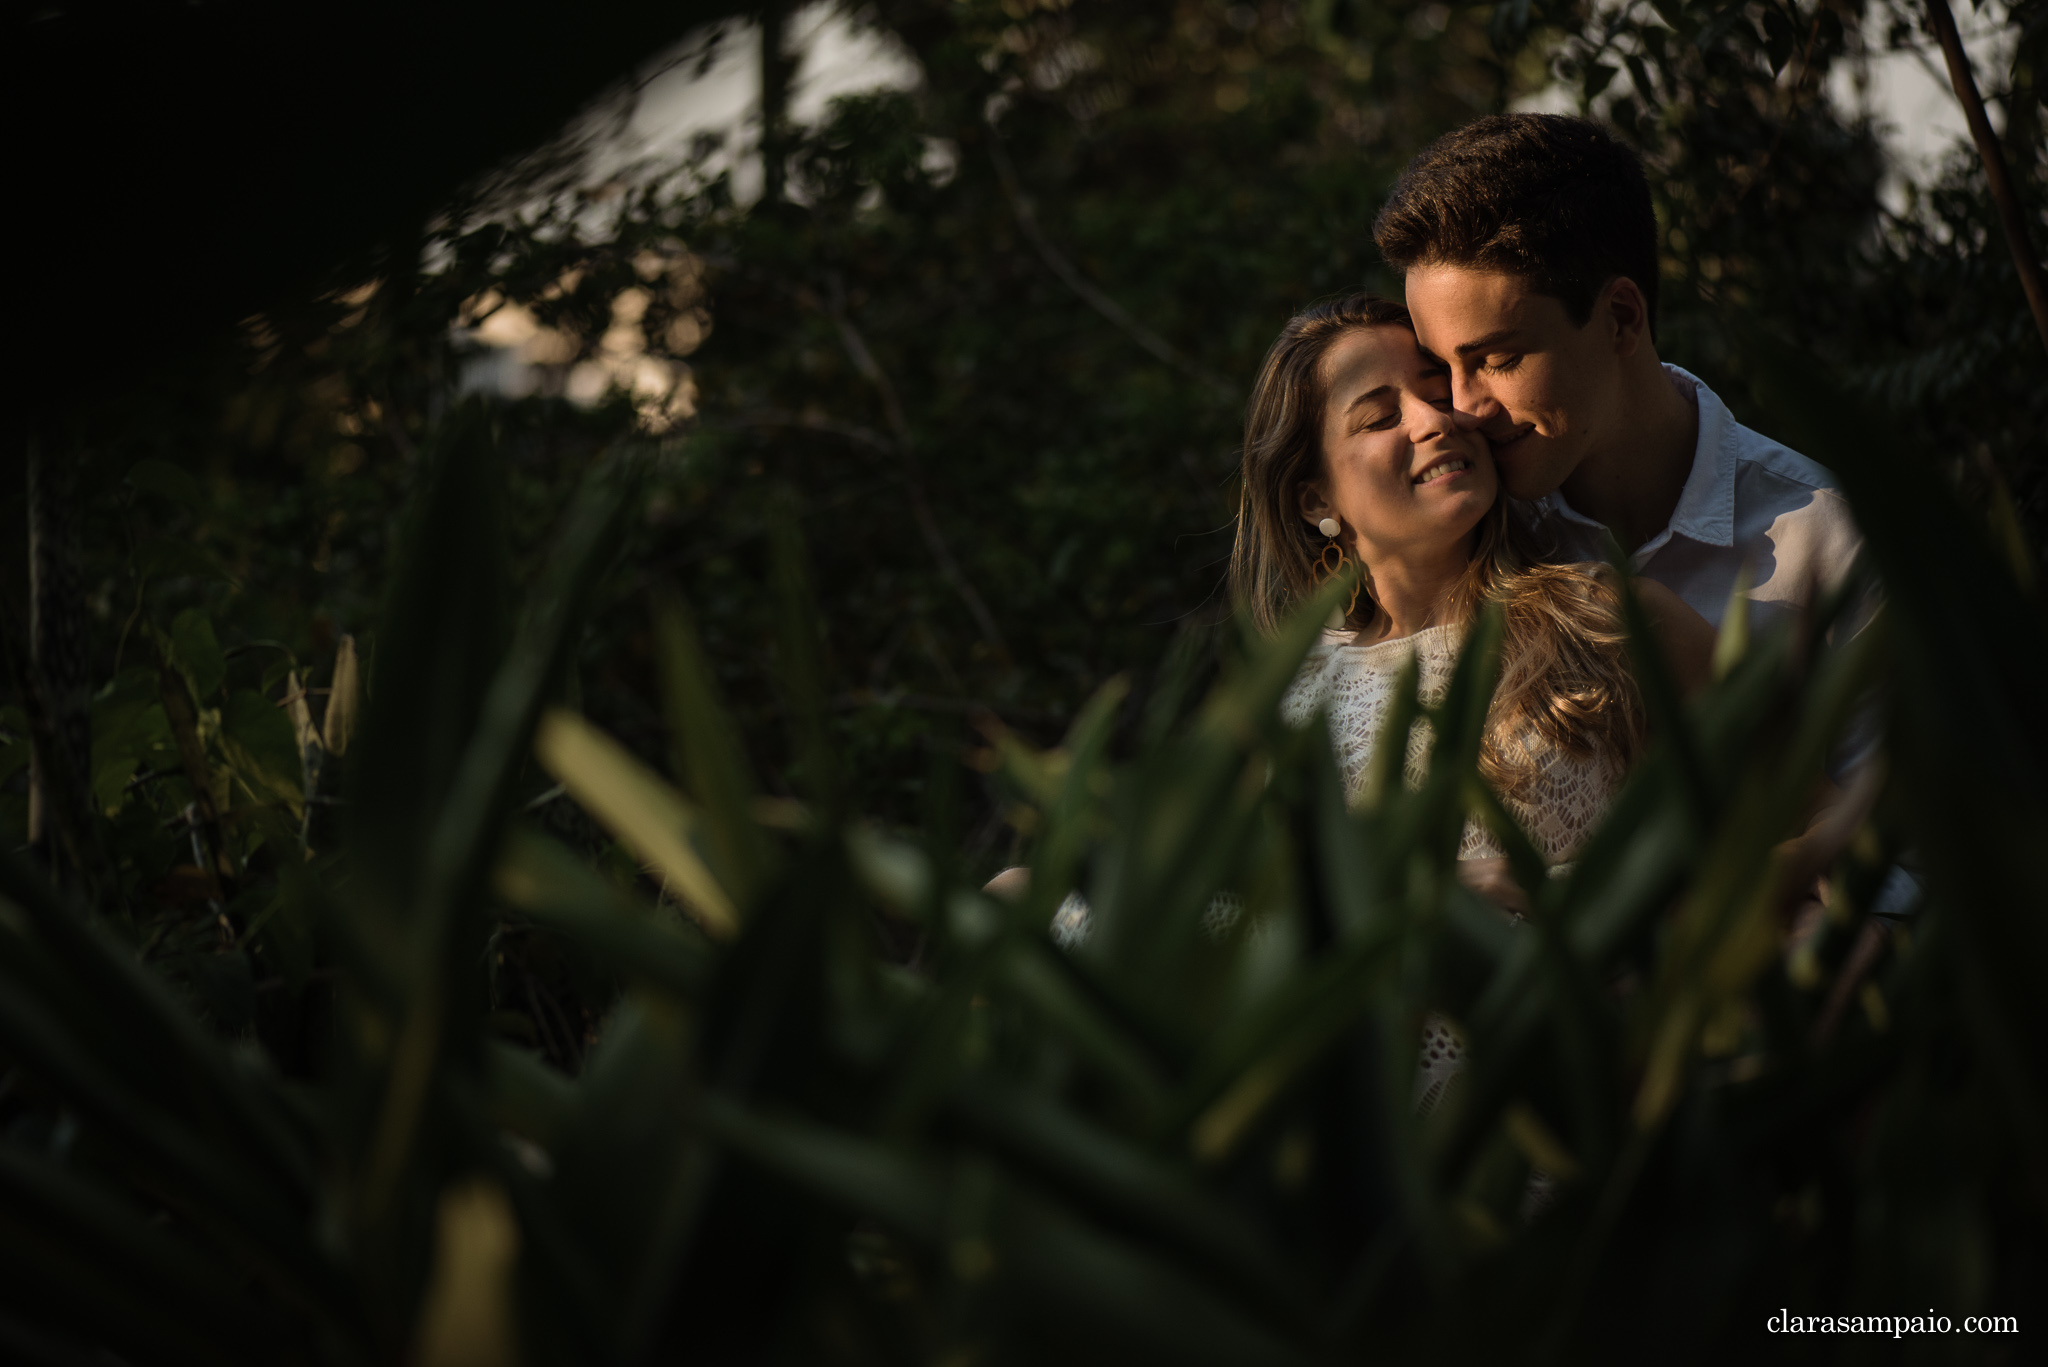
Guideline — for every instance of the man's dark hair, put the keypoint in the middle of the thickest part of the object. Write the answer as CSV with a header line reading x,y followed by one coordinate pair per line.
x,y
1557,201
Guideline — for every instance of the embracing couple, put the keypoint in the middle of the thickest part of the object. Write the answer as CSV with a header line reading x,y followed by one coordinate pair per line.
x,y
1480,443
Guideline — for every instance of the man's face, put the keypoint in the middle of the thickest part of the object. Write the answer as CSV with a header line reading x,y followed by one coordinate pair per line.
x,y
1542,389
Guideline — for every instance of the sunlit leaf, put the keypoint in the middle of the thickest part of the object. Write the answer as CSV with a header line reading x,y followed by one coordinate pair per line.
x,y
344,700
633,802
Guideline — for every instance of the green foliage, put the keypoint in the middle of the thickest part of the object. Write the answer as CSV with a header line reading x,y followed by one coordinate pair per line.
x,y
1192,1137
1000,342
964,421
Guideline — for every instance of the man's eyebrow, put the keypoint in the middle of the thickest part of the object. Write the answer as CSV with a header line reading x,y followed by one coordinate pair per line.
x,y
1491,339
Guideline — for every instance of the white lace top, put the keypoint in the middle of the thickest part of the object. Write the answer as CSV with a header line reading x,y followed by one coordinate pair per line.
x,y
1355,685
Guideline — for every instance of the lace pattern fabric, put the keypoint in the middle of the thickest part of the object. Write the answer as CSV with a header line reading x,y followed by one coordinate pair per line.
x,y
1073,919
1442,1059
1354,686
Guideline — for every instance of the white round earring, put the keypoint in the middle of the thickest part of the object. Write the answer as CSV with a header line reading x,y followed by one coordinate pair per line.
x,y
1329,526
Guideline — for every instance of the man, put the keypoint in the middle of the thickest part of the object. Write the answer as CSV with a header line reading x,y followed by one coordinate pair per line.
x,y
1530,250
1529,245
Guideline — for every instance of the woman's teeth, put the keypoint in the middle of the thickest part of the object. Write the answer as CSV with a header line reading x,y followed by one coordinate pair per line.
x,y
1449,467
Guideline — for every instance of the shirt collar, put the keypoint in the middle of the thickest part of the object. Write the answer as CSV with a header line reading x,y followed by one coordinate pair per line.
x,y
1706,505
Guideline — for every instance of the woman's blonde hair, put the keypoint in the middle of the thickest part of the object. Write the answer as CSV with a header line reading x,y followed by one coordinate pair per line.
x,y
1564,669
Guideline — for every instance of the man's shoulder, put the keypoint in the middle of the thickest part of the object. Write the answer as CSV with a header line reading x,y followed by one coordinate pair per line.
x,y
1791,521
1777,490
1769,476
1774,463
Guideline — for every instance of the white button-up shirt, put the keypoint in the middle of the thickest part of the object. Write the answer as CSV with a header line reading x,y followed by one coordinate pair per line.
x,y
1748,501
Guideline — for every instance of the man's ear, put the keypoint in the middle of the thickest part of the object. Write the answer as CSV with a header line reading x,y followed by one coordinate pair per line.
x,y
1625,310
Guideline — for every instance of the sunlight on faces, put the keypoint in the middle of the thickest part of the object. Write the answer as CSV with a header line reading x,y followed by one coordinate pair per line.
x,y
1535,383
1403,477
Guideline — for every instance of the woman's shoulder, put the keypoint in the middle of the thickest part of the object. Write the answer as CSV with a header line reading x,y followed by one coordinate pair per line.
x,y
1322,657
1334,653
1311,686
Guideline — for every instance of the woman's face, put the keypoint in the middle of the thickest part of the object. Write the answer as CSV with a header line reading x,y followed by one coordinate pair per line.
x,y
1397,472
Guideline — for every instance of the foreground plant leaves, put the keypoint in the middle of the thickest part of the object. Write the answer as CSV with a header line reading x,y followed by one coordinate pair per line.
x,y
853,1109
643,811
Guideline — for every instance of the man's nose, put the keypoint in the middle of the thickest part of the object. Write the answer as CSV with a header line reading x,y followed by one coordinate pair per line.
x,y
1473,407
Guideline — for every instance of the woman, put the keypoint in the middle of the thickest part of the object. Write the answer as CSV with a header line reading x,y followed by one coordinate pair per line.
x,y
1353,456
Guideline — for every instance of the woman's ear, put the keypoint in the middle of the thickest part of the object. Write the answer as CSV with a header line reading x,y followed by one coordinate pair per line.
x,y
1315,506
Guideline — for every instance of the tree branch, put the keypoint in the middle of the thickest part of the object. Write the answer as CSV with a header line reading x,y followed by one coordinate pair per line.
x,y
56,688
2010,218
803,422
920,506
1027,223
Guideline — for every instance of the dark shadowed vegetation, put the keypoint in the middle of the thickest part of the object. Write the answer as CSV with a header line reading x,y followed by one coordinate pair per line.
x,y
501,877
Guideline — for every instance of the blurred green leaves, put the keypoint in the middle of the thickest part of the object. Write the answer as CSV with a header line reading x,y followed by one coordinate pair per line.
x,y
840,1103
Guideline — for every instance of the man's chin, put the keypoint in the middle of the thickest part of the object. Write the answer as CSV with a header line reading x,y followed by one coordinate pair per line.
x,y
1527,471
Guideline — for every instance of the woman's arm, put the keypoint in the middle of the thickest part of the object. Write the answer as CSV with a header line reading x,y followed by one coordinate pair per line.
x,y
1010,885
1687,639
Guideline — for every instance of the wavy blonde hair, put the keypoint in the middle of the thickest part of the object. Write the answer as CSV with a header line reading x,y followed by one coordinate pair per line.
x,y
1565,680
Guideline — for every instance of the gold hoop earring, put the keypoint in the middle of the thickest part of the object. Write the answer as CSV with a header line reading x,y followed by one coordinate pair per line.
x,y
1327,568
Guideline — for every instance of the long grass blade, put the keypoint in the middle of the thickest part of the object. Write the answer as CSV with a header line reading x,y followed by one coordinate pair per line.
x,y
635,804
708,755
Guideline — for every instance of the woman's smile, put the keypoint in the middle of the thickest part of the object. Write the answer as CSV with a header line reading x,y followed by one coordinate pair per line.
x,y
1443,469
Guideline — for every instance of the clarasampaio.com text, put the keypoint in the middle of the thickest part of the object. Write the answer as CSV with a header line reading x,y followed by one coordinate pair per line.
x,y
1898,1326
